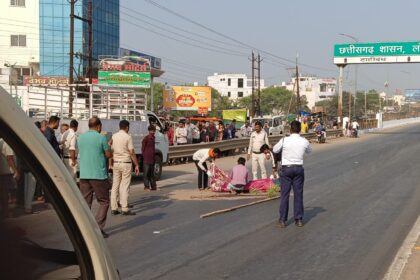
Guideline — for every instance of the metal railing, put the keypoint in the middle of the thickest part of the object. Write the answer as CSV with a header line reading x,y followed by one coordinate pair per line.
x,y
233,144
107,103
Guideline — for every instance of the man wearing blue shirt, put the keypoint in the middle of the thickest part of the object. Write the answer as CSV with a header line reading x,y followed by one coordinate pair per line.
x,y
93,152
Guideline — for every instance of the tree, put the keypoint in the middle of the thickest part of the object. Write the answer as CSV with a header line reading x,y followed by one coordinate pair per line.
x,y
274,100
219,103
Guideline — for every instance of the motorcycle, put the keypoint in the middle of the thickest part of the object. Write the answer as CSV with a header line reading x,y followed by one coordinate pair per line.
x,y
320,136
354,132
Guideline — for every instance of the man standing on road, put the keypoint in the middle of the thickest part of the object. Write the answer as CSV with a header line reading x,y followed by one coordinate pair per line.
x,y
293,148
200,157
246,130
93,151
257,139
148,152
69,148
123,157
49,133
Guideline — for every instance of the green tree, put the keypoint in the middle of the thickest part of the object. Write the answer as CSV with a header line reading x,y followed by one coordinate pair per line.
x,y
219,103
274,100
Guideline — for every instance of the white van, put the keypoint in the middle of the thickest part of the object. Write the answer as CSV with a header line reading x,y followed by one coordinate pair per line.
x,y
65,242
275,124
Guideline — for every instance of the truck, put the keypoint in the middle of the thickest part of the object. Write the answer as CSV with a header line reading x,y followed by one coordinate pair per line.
x,y
109,104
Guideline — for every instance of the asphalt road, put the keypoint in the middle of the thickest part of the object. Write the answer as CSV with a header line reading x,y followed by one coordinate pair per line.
x,y
361,198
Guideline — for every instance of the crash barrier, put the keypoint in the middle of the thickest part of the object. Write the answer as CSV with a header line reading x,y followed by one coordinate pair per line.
x,y
181,151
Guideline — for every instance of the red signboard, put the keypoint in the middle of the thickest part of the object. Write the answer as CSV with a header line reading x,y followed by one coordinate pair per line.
x,y
45,81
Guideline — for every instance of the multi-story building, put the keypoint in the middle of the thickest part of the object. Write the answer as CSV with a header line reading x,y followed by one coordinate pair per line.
x,y
313,88
19,40
54,25
233,85
35,36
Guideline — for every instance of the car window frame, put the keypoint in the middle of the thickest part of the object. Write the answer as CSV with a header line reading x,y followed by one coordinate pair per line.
x,y
54,196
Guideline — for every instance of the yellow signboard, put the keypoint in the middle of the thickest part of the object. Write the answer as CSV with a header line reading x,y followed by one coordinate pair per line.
x,y
185,98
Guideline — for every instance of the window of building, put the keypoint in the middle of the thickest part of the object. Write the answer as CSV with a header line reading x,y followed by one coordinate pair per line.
x,y
323,87
240,83
18,40
229,92
229,82
240,94
17,3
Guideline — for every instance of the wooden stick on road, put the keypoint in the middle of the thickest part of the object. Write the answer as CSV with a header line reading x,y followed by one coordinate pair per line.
x,y
236,207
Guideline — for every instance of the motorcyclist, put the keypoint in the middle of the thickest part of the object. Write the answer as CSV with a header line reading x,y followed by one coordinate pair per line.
x,y
320,130
355,128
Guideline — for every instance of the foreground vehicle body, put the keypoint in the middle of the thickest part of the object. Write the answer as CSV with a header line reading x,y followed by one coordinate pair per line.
x,y
81,251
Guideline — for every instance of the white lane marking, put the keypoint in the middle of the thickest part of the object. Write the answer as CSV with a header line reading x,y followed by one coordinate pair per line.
x,y
401,259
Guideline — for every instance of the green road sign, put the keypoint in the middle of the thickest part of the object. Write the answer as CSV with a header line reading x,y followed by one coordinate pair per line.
x,y
388,52
124,79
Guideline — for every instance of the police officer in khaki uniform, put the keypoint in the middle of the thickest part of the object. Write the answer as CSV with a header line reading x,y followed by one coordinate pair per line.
x,y
123,157
69,148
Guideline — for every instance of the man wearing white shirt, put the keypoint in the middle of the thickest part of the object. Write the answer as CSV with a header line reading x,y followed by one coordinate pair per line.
x,y
257,139
69,148
293,148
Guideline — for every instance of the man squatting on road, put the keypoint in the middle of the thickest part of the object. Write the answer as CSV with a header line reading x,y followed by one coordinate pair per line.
x,y
293,175
200,157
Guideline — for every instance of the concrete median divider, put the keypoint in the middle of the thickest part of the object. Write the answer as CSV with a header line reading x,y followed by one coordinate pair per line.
x,y
233,144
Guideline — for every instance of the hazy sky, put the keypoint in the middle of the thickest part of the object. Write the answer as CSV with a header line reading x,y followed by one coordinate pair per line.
x,y
279,29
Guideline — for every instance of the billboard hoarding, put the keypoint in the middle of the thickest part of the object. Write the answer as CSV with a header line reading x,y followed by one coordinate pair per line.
x,y
124,79
187,98
128,71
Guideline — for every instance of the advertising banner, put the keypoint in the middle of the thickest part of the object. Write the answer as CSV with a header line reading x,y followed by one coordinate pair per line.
x,y
124,79
125,72
187,98
238,114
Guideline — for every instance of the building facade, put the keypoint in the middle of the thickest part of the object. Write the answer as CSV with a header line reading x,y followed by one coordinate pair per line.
x,y
35,37
233,86
313,88
19,40
55,35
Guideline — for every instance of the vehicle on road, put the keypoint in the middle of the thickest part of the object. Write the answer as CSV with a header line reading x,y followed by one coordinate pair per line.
x,y
67,242
275,124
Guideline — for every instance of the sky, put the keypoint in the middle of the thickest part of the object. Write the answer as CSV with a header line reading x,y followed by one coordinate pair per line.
x,y
196,38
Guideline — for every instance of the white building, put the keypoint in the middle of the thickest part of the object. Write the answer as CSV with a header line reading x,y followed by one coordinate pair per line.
x,y
233,85
315,89
19,39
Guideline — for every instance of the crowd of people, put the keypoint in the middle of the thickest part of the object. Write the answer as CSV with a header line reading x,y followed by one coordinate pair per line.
x,y
192,132
90,158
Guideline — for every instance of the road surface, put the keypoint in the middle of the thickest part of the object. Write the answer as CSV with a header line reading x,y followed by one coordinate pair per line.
x,y
361,197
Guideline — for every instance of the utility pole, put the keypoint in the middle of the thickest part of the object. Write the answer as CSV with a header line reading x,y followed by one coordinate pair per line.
x,y
253,85
297,87
71,62
89,69
259,84
90,43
